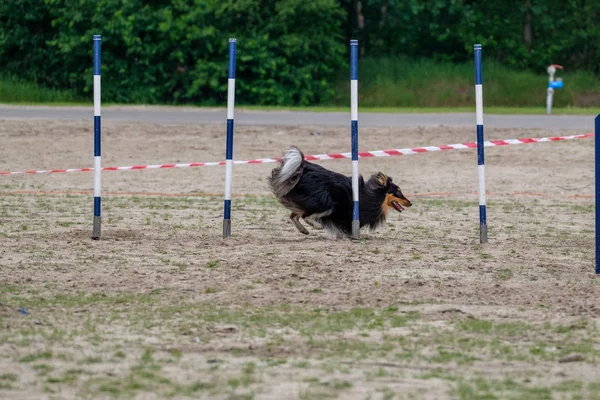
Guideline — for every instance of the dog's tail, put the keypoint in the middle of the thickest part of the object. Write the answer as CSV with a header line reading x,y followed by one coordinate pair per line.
x,y
285,177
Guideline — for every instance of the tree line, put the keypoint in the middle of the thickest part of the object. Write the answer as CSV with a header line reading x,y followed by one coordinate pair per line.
x,y
289,51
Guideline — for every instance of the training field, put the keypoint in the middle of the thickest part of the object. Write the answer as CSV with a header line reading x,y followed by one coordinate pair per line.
x,y
163,307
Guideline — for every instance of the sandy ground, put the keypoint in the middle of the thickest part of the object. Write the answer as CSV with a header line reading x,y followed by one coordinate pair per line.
x,y
162,303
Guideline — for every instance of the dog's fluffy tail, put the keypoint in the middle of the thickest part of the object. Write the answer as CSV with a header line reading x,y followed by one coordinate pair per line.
x,y
285,177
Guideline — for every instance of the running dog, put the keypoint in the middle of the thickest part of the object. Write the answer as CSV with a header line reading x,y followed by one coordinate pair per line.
x,y
323,198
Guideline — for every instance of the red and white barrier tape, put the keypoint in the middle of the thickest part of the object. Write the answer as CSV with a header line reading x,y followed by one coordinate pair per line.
x,y
316,157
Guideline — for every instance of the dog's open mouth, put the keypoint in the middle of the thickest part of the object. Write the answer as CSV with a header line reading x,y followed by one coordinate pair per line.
x,y
397,206
398,203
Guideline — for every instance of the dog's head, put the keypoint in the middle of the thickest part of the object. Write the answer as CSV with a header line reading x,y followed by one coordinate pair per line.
x,y
393,195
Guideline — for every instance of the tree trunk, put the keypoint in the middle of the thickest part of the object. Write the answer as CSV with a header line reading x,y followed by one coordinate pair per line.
x,y
527,30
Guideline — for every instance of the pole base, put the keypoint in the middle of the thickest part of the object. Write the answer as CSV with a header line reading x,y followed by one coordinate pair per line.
x,y
483,234
96,229
355,230
549,101
226,228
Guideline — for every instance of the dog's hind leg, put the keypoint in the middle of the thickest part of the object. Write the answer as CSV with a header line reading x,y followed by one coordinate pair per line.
x,y
313,222
296,220
313,219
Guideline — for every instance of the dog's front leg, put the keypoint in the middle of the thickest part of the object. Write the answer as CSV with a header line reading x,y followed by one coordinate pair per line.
x,y
296,220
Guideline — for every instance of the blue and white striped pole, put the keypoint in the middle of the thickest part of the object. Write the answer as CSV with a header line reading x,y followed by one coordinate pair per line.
x,y
97,139
229,148
597,172
483,236
354,133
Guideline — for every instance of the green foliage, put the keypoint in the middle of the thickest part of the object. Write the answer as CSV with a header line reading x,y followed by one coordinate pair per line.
x,y
176,51
423,82
15,90
292,52
25,26
529,34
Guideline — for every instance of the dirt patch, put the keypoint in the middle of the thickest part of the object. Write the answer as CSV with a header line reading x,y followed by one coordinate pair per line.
x,y
163,306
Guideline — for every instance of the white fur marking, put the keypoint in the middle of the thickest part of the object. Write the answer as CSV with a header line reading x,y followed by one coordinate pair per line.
x,y
291,161
333,233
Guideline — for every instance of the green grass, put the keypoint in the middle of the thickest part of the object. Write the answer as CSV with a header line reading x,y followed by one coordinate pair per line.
x,y
13,90
399,85
431,110
403,82
218,340
486,388
299,338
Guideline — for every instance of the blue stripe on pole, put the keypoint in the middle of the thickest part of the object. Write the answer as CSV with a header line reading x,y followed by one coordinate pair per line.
x,y
96,206
480,157
355,211
353,60
227,212
354,125
97,141
229,145
232,43
477,49
96,54
482,215
597,171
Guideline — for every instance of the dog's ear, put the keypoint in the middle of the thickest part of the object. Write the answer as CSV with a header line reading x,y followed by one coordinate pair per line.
x,y
382,179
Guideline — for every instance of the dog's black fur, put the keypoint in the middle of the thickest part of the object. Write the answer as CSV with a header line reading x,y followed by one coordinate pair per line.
x,y
323,198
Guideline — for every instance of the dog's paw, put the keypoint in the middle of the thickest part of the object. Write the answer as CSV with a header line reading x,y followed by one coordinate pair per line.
x,y
314,223
302,229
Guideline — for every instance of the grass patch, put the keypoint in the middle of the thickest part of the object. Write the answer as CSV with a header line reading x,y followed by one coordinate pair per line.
x,y
306,322
505,274
82,299
45,355
407,83
430,110
398,84
7,379
480,326
445,356
483,388
14,90
453,205
43,369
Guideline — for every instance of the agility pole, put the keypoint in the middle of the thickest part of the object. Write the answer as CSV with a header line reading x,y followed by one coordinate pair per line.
x,y
483,234
597,171
354,134
97,141
229,144
315,157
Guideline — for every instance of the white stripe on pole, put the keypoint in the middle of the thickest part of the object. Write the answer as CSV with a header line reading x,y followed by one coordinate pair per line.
x,y
481,173
230,97
354,100
97,175
355,180
97,112
228,173
479,104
